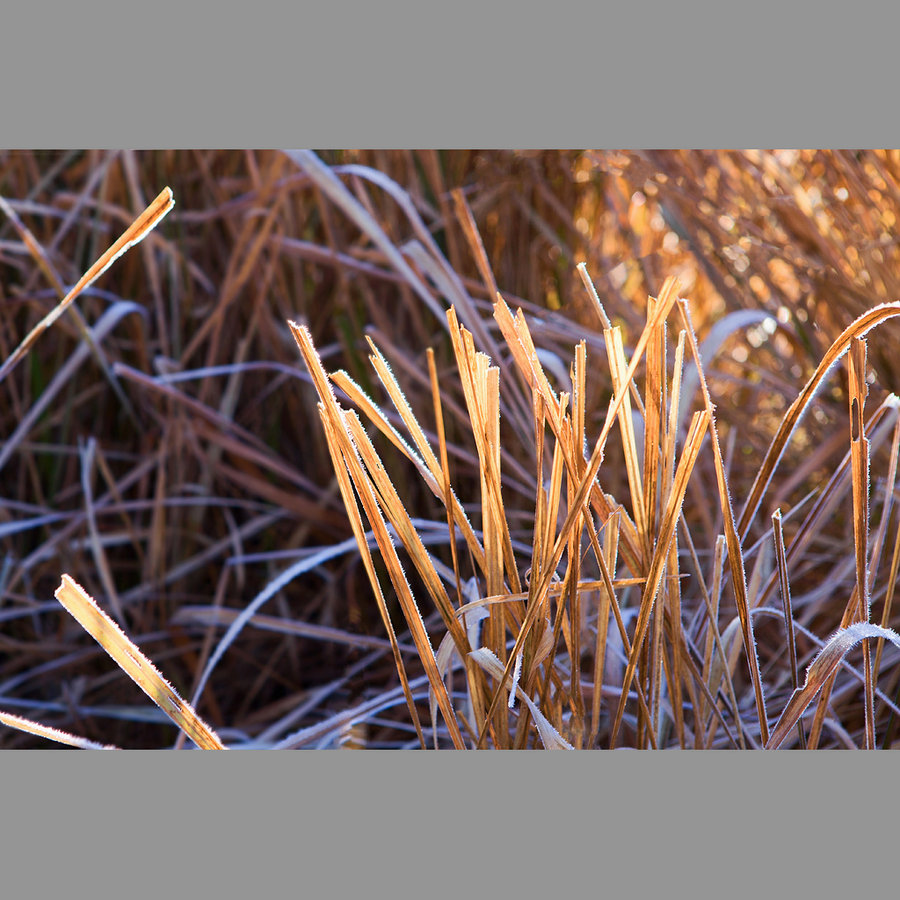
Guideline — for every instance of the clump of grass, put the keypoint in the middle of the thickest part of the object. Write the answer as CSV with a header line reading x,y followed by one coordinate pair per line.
x,y
533,645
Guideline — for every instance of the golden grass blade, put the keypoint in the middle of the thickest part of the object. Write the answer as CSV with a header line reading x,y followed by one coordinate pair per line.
x,y
434,468
732,538
132,661
477,685
518,338
618,366
673,586
858,605
574,614
857,329
53,734
859,449
344,477
822,668
654,500
606,600
654,408
781,558
134,234
699,424
881,536
481,389
445,468
607,324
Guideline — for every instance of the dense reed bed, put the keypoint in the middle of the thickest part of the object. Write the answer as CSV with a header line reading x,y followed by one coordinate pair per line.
x,y
457,449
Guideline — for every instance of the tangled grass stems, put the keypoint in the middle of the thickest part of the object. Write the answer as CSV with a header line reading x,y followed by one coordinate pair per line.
x,y
187,470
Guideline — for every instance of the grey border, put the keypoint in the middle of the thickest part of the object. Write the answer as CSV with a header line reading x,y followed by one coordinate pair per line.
x,y
467,74
405,824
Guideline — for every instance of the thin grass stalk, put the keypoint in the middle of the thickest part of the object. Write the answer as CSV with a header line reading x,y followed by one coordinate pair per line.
x,y
654,388
699,424
476,245
618,366
735,556
781,559
654,406
606,324
888,600
605,601
541,644
572,579
859,446
857,609
830,496
674,593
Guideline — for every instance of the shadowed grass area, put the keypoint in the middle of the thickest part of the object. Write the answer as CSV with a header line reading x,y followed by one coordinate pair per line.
x,y
570,499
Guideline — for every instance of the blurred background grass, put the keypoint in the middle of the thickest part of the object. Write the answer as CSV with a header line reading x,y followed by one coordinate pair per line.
x,y
206,473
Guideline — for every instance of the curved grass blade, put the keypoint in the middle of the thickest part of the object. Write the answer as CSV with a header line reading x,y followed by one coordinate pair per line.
x,y
820,670
865,323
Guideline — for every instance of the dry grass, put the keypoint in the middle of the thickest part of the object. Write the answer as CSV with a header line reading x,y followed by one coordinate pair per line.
x,y
550,523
